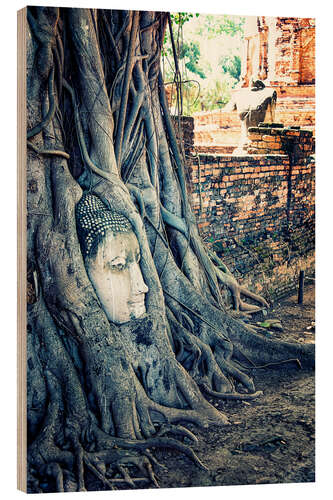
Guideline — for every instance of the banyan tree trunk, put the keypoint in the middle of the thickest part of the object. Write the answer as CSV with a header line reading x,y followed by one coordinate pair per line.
x,y
101,394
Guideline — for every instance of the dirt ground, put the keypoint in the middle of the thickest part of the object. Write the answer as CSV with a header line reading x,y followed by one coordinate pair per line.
x,y
269,440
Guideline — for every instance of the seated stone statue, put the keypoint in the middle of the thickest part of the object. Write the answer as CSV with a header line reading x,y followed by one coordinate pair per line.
x,y
254,104
111,254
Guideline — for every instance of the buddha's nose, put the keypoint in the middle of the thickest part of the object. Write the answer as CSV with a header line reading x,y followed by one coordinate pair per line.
x,y
138,285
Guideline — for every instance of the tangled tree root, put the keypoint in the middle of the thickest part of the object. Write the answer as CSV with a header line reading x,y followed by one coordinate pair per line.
x,y
48,152
69,471
231,395
61,464
226,278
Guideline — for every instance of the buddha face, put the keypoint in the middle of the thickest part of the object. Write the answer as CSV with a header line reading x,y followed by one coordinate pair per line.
x,y
116,276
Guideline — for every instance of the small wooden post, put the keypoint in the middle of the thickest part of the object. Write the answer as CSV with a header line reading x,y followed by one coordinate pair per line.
x,y
300,287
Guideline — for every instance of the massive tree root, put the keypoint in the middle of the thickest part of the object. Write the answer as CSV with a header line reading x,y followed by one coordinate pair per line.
x,y
101,397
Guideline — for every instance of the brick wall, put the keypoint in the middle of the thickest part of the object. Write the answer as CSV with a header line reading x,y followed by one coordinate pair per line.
x,y
277,139
221,130
184,129
257,211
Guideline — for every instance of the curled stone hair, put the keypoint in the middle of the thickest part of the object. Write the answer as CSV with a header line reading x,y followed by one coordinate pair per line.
x,y
93,219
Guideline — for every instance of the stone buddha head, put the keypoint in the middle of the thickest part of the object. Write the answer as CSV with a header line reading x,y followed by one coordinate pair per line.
x,y
111,254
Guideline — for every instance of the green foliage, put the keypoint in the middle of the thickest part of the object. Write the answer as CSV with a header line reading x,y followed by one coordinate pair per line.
x,y
216,96
208,70
181,18
218,25
190,52
232,65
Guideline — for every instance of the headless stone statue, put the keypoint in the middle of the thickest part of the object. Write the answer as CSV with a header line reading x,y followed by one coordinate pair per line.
x,y
111,254
254,105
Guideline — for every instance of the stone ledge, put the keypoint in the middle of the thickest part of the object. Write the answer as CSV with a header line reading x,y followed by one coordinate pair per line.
x,y
293,130
239,157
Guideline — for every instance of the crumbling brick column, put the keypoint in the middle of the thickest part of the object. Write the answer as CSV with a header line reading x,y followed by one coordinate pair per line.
x,y
274,138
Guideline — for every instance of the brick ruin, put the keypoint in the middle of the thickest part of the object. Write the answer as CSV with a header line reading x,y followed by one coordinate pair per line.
x,y
257,210
280,51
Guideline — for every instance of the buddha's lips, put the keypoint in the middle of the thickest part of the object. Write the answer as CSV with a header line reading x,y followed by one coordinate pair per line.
x,y
138,302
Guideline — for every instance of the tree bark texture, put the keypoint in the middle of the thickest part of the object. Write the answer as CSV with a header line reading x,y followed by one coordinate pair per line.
x,y
101,395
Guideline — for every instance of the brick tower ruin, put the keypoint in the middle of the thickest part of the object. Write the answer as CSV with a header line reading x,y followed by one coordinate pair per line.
x,y
280,51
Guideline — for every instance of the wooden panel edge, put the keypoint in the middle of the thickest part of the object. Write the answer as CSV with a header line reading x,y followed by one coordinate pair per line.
x,y
21,254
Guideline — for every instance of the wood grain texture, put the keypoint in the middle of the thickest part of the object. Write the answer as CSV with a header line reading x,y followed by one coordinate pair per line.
x,y
21,254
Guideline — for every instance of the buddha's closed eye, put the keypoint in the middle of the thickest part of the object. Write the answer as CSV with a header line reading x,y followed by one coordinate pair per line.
x,y
116,265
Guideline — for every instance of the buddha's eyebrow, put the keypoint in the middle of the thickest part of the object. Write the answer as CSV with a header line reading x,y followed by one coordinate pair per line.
x,y
117,257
